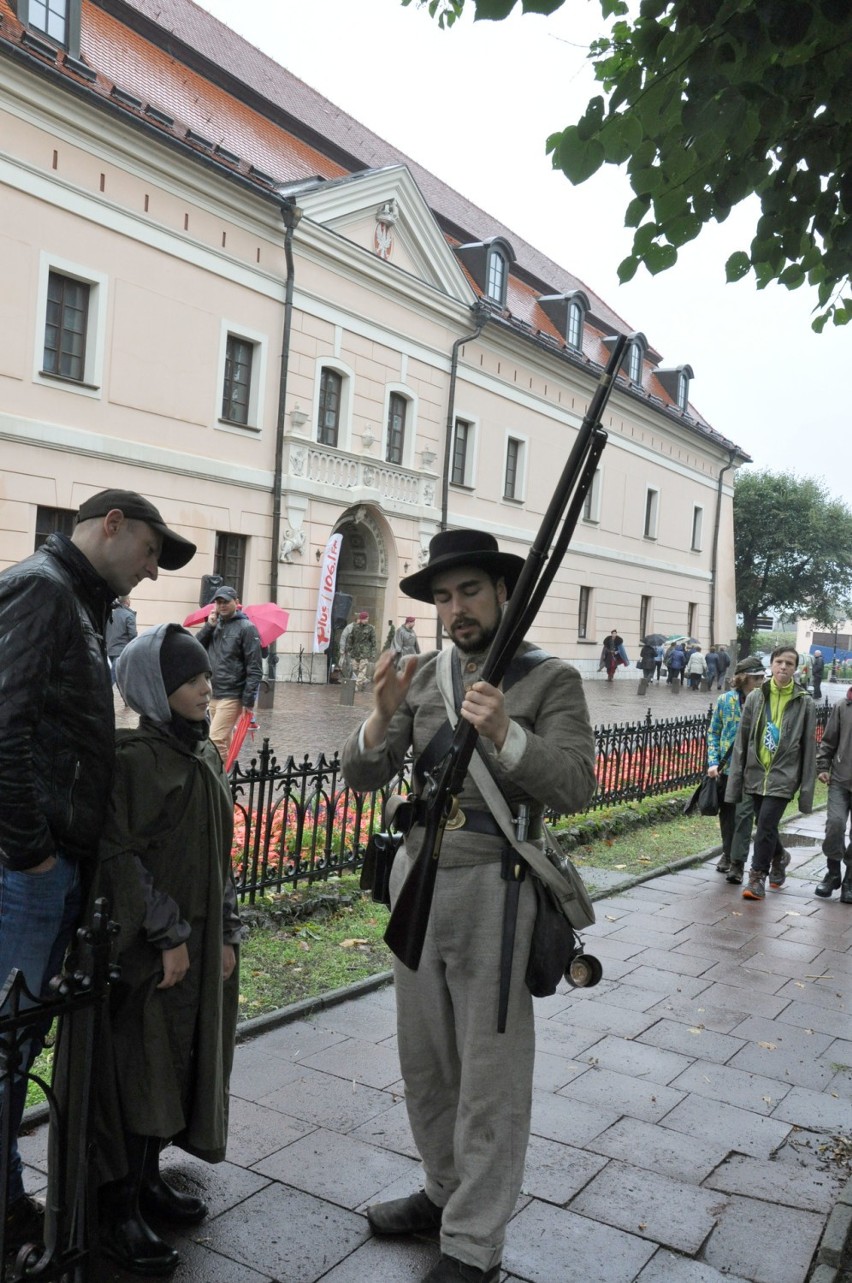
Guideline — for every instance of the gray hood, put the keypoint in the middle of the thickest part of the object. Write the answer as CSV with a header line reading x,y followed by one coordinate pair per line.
x,y
140,678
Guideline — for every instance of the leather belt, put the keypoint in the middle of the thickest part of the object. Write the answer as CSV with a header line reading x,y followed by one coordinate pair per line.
x,y
410,814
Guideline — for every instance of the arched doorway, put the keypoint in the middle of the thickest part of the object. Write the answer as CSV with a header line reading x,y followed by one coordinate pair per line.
x,y
362,570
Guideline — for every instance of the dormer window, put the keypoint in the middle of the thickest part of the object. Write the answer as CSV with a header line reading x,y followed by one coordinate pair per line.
x,y
676,383
634,363
496,285
568,314
489,263
59,20
575,325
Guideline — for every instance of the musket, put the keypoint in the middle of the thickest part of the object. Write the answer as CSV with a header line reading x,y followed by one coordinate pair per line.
x,y
406,929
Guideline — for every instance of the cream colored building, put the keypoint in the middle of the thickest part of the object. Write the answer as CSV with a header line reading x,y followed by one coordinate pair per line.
x,y
223,293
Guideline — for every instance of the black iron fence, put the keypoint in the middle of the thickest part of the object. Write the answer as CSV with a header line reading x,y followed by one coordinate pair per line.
x,y
300,821
68,1242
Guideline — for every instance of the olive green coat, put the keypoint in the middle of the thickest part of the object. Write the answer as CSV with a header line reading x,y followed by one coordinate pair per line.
x,y
165,869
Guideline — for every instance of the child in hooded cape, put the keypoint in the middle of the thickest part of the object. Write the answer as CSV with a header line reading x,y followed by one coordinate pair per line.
x,y
166,871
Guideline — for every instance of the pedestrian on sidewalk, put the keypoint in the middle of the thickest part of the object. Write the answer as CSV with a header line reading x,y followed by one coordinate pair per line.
x,y
468,1088
834,765
676,663
361,650
233,644
405,642
120,629
696,668
165,868
647,660
774,758
817,670
735,818
723,661
612,654
57,731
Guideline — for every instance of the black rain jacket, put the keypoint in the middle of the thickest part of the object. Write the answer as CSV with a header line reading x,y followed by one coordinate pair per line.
x,y
57,725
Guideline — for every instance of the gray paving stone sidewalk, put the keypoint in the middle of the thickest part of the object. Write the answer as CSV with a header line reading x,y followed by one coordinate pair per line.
x,y
690,1122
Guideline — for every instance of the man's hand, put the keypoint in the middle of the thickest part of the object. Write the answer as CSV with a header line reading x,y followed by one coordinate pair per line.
x,y
229,961
389,690
712,772
175,966
825,776
484,707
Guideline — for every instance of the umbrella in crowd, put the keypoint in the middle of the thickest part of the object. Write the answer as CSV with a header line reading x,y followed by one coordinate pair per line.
x,y
654,639
269,619
242,726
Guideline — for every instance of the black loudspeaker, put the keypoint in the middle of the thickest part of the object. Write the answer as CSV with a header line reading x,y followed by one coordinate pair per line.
x,y
341,608
209,586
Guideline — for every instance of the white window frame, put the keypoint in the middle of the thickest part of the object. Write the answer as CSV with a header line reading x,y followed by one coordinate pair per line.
x,y
257,391
635,357
494,252
520,494
344,429
588,632
651,515
592,505
697,542
576,317
400,389
91,384
470,456
682,391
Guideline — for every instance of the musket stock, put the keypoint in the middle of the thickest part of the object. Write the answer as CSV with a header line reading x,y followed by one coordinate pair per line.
x,y
406,929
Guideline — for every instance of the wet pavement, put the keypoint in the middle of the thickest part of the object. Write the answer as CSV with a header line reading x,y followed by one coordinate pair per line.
x,y
691,1118
313,719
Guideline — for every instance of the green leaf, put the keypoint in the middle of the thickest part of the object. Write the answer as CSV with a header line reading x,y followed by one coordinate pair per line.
x,y
792,277
578,158
737,266
636,211
681,230
627,269
659,258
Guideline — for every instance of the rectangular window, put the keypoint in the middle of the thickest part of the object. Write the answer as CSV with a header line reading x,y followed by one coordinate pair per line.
x,y
236,390
644,617
496,287
66,325
49,16
592,504
53,521
230,559
692,619
652,498
583,613
328,427
462,442
396,428
697,525
513,476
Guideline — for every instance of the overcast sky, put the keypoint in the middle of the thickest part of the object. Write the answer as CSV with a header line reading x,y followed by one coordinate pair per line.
x,y
475,105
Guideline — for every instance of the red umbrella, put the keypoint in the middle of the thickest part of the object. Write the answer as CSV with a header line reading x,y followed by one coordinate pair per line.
x,y
269,620
241,728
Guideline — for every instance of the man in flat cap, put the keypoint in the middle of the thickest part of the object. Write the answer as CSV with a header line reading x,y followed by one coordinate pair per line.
x,y
468,1087
57,731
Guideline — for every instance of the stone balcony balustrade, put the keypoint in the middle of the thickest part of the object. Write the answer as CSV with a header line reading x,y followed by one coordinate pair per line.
x,y
326,472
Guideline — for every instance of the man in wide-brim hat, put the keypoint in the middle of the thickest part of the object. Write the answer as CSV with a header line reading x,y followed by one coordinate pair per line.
x,y
468,1088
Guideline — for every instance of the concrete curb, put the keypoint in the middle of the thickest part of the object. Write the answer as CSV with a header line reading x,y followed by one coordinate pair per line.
x,y
836,1241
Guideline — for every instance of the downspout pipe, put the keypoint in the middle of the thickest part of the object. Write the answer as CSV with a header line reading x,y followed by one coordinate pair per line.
x,y
291,216
481,313
715,555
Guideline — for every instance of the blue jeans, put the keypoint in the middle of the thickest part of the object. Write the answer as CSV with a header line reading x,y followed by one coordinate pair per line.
x,y
38,913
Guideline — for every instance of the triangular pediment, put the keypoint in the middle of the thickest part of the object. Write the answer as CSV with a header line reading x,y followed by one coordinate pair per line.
x,y
383,212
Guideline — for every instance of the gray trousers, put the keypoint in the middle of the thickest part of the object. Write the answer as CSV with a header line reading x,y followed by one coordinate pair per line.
x,y
468,1089
837,817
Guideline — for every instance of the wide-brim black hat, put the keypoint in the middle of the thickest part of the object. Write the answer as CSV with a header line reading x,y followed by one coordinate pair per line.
x,y
451,548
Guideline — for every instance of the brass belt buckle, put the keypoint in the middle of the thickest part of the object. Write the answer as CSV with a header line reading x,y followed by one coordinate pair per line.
x,y
456,818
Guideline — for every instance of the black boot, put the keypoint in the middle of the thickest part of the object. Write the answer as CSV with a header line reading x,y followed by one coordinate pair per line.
x,y
158,1199
846,889
124,1235
831,881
